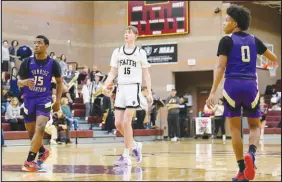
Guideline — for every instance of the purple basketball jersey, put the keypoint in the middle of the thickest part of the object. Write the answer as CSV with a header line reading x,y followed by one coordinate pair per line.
x,y
241,61
42,76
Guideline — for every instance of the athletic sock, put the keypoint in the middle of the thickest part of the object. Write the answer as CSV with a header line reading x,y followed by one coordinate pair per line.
x,y
125,153
31,156
241,164
252,148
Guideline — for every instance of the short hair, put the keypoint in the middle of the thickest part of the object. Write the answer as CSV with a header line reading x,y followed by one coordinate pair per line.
x,y
12,43
5,41
52,53
64,100
133,28
143,88
45,39
241,15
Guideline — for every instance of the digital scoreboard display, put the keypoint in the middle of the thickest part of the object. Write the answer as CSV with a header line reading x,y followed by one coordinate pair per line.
x,y
157,18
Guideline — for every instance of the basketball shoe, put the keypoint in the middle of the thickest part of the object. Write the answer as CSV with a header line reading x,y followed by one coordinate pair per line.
x,y
250,170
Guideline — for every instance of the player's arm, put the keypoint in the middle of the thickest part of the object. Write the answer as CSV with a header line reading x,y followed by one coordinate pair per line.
x,y
145,71
23,78
147,78
262,50
111,76
114,69
224,47
220,69
57,73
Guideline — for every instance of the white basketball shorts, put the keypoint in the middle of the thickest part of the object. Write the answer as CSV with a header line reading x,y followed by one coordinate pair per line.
x,y
128,96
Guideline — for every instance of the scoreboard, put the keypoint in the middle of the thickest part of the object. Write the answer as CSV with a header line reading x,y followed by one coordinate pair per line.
x,y
157,18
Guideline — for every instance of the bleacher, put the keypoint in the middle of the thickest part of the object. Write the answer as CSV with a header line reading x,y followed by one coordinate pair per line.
x,y
272,120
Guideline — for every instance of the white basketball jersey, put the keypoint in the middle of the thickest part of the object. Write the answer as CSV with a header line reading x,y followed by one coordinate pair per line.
x,y
129,64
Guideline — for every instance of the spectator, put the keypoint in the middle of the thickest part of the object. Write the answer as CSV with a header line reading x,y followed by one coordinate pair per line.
x,y
172,103
52,54
67,112
60,122
52,130
13,114
70,79
143,110
108,114
86,97
219,119
12,52
5,58
183,119
93,72
153,110
63,64
263,109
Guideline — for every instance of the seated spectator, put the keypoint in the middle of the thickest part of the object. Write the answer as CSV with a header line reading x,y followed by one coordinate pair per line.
x,y
67,112
13,115
52,130
60,122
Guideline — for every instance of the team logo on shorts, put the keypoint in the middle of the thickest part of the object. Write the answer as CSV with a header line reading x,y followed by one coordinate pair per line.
x,y
133,102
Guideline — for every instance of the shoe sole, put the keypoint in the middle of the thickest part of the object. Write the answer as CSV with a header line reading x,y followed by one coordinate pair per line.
x,y
250,170
140,153
28,169
44,160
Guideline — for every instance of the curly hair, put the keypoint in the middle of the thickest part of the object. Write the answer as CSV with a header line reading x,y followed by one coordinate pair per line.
x,y
241,15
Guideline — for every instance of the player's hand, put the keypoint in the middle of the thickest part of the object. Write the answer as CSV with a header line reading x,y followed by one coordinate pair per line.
x,y
29,82
150,99
210,101
56,106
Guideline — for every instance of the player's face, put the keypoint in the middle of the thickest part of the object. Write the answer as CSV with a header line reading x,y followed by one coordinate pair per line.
x,y
229,25
181,100
39,46
129,36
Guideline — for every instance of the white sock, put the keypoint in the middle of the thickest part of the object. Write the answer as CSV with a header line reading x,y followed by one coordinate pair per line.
x,y
261,133
125,153
134,143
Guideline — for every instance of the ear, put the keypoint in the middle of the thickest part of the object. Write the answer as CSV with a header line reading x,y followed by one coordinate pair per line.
x,y
235,24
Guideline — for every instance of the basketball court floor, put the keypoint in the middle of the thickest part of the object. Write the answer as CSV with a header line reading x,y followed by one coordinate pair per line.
x,y
189,160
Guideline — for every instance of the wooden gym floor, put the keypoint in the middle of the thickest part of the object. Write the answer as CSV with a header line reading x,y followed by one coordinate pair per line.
x,y
192,160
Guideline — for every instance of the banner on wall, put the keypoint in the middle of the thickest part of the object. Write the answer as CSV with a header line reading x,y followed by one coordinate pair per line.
x,y
161,53
203,125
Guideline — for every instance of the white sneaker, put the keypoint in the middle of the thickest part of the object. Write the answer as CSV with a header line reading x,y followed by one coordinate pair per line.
x,y
123,161
174,139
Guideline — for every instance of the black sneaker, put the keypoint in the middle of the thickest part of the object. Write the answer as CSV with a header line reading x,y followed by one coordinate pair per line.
x,y
68,141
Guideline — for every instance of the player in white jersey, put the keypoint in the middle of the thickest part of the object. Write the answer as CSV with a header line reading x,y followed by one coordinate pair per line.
x,y
128,63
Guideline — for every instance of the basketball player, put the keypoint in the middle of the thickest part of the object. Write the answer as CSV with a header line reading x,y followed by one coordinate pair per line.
x,y
128,63
35,76
237,58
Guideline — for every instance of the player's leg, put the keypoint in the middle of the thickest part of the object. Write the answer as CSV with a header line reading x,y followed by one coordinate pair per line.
x,y
30,124
43,109
232,111
252,112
